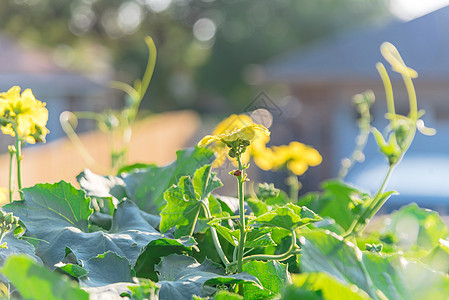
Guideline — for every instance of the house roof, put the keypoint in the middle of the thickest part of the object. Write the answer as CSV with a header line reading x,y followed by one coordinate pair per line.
x,y
422,42
36,70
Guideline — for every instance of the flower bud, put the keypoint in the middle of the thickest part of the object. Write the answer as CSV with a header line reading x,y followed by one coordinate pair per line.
x,y
9,218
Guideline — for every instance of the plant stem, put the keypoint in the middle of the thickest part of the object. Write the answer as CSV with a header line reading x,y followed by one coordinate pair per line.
x,y
241,246
373,207
18,145
11,159
241,196
213,232
293,183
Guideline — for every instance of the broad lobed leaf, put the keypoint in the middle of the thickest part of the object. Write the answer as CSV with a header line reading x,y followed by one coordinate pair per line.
x,y
34,281
185,201
181,277
289,216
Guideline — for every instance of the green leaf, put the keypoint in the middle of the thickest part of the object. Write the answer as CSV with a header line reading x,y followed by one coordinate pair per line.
x,y
153,252
181,277
328,287
101,186
15,246
259,237
257,207
52,205
225,295
106,269
272,275
288,217
327,252
73,270
146,187
398,278
146,289
228,204
232,236
438,258
385,275
338,201
130,233
34,281
391,276
185,200
417,227
391,149
134,167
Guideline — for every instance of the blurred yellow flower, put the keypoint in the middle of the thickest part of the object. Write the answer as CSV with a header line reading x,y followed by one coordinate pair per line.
x,y
231,129
3,196
24,113
296,157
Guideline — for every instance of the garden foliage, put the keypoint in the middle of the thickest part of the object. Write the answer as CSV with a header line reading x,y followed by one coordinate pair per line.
x,y
152,232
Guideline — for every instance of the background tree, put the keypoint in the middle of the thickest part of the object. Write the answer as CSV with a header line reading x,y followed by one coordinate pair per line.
x,y
209,51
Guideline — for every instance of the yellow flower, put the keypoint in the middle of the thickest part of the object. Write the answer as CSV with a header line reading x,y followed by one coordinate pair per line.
x,y
246,132
233,128
296,157
3,196
24,113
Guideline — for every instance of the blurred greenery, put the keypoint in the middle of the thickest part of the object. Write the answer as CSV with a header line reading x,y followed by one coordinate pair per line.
x,y
209,51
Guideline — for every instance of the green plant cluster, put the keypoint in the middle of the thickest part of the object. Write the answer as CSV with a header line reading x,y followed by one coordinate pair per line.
x,y
109,238
152,232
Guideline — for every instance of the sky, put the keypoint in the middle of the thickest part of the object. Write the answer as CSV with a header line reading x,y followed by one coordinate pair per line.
x,y
410,9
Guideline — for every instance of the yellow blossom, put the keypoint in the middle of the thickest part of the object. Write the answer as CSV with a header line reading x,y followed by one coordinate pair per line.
x,y
23,113
3,196
233,128
246,132
296,157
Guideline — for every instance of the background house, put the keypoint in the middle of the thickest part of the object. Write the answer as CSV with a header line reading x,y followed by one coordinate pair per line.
x,y
325,76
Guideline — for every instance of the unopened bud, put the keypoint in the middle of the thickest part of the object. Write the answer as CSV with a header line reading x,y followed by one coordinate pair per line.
x,y
9,218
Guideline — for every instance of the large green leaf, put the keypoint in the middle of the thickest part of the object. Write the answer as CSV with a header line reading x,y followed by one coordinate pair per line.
x,y
105,269
130,233
288,217
52,205
34,281
185,200
438,257
338,201
417,228
152,254
147,186
327,252
323,286
181,277
272,275
15,246
399,279
391,276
